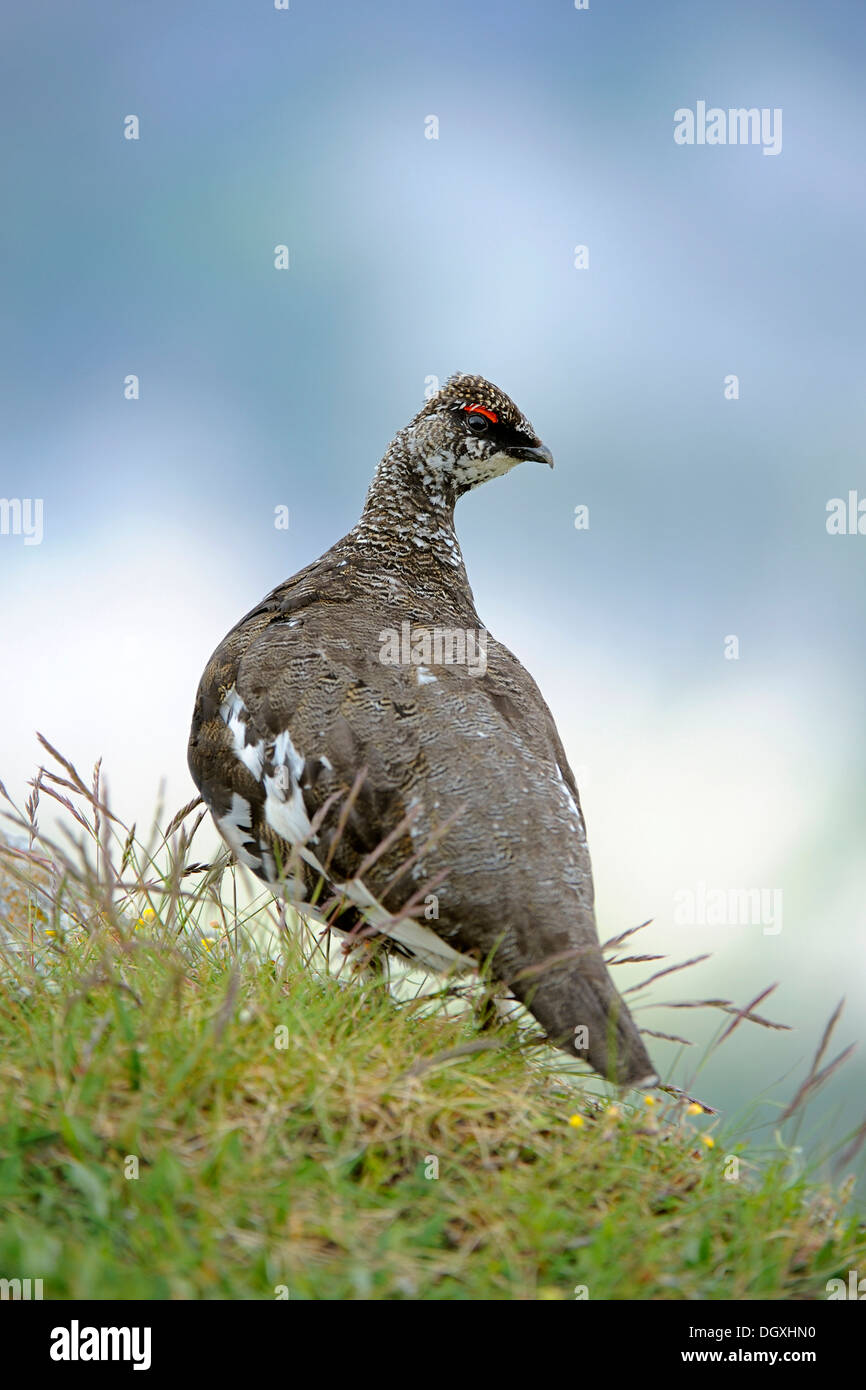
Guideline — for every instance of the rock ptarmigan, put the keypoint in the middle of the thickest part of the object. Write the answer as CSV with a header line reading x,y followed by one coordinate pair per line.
x,y
360,724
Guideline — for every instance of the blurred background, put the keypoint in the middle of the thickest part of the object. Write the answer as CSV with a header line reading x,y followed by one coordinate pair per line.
x,y
413,257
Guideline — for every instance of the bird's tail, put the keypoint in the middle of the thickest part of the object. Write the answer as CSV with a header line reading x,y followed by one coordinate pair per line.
x,y
577,1004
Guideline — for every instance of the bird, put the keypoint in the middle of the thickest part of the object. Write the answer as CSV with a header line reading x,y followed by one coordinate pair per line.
x,y
360,728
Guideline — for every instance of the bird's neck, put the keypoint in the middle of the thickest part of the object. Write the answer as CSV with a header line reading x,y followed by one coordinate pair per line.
x,y
408,516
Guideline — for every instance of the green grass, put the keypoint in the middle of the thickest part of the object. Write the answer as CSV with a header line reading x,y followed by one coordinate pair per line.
x,y
190,1119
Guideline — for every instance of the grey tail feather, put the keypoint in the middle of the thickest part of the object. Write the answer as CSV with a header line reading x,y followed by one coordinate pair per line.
x,y
578,1006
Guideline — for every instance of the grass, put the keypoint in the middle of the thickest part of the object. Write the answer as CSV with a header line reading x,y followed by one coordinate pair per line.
x,y
185,1113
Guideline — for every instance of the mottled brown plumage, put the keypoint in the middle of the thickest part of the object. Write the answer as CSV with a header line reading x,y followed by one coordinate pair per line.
x,y
309,689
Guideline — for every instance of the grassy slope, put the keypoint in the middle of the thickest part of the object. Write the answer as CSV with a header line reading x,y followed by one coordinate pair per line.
x,y
281,1140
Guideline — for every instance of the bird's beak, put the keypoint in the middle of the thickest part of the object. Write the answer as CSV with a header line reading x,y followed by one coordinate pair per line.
x,y
539,455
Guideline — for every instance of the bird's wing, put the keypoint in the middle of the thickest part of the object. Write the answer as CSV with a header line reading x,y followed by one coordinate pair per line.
x,y
297,702
292,707
291,715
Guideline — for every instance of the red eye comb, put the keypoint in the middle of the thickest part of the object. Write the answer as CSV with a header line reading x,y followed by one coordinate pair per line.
x,y
480,410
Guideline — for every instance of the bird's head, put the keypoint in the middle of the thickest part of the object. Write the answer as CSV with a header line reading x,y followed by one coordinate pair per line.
x,y
467,433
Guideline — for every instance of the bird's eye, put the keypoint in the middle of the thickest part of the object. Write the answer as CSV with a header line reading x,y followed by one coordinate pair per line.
x,y
478,417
